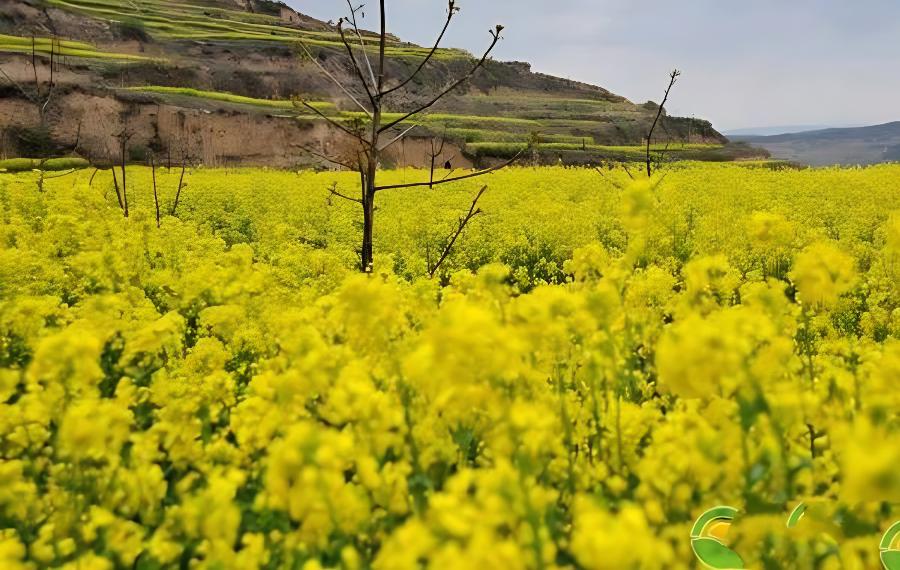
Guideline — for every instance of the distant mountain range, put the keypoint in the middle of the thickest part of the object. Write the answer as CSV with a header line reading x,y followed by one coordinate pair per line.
x,y
776,130
845,146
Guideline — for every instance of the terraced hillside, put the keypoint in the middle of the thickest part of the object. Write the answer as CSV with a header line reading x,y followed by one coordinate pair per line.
x,y
216,78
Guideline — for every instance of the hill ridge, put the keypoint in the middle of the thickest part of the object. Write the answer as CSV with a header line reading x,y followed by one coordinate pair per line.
x,y
841,145
215,47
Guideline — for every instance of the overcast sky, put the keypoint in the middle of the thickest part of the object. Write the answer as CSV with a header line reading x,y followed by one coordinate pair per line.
x,y
745,64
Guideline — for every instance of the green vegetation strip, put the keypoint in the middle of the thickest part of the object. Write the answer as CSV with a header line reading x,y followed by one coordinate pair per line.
x,y
178,21
224,97
43,47
508,135
53,164
487,147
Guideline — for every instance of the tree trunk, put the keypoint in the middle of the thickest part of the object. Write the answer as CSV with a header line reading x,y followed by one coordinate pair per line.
x,y
431,176
367,259
116,185
124,182
367,256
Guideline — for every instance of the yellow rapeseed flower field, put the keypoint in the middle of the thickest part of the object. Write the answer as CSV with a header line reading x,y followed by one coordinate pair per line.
x,y
598,362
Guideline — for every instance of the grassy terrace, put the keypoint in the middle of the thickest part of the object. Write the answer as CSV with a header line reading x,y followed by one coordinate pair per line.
x,y
42,46
464,127
631,153
483,135
503,135
515,147
460,125
223,97
165,19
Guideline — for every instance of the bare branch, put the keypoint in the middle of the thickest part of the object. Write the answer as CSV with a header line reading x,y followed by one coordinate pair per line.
x,y
661,155
362,42
335,80
116,185
610,180
454,179
659,182
397,138
43,108
34,60
326,157
495,35
452,9
463,222
436,152
18,87
334,192
382,48
356,66
181,184
673,77
124,137
60,175
78,134
155,194
331,121
627,171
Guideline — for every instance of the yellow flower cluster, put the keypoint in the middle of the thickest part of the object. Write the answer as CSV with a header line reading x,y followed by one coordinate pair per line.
x,y
595,365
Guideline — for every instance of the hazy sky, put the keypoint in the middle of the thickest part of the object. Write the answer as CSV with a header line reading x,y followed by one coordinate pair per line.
x,y
745,64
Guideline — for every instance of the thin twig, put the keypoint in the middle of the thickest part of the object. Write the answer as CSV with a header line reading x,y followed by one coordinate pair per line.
x,y
66,173
661,155
362,42
181,185
382,48
495,35
463,222
673,77
116,185
43,109
155,194
326,157
34,60
17,86
452,9
397,138
356,67
332,122
334,192
610,180
335,80
454,179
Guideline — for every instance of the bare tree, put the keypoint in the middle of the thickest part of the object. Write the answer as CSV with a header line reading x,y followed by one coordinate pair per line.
x,y
372,94
673,77
186,160
38,94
